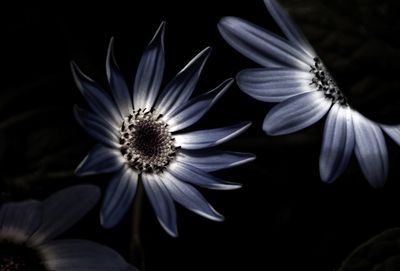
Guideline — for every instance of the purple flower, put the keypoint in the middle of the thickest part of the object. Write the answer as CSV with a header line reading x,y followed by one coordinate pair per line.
x,y
141,138
296,78
28,229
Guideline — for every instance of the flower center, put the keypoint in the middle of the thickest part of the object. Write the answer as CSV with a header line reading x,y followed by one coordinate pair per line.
x,y
324,82
146,143
19,257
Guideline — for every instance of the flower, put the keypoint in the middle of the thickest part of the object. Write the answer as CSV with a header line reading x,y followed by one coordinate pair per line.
x,y
27,230
141,140
295,76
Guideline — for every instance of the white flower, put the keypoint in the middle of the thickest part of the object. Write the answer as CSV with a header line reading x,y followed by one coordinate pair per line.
x,y
27,230
141,140
295,77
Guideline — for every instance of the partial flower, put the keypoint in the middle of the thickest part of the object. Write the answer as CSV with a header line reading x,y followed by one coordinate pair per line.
x,y
27,230
296,78
141,138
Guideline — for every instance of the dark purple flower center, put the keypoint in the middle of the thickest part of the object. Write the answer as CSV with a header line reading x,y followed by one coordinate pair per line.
x,y
19,257
324,82
146,143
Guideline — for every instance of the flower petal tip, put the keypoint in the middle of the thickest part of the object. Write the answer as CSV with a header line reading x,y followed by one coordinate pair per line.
x,y
77,72
228,186
234,186
79,77
74,69
270,130
242,127
219,218
210,214
199,60
326,179
80,172
229,82
215,216
159,35
226,23
224,86
173,232
107,223
377,183
206,50
110,55
73,64
111,44
239,76
162,26
251,158
80,169
246,124
76,110
201,57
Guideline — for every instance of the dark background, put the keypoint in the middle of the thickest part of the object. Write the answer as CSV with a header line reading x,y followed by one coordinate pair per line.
x,y
284,217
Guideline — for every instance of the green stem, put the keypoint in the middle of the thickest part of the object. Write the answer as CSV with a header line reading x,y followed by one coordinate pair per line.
x,y
136,255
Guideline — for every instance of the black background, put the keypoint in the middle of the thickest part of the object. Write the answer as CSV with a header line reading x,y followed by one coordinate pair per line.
x,y
284,217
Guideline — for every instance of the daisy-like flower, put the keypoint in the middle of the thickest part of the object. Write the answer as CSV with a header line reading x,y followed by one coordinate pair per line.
x,y
27,230
295,76
141,140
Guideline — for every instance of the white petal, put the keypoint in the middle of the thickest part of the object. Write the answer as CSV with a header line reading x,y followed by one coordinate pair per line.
x,y
117,83
19,220
288,27
100,160
63,209
190,112
274,84
262,46
338,143
118,197
178,91
162,202
208,138
81,255
189,197
393,131
296,113
370,150
193,175
210,160
150,72
96,127
97,98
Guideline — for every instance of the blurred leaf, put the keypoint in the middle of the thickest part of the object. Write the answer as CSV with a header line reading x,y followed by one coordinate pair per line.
x,y
18,96
26,182
24,117
40,140
381,253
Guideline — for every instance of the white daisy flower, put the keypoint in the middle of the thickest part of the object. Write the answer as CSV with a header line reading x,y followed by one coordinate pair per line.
x,y
296,78
141,139
27,230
